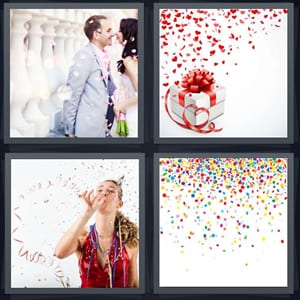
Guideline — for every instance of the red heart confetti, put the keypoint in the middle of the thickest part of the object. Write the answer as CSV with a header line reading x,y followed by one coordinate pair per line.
x,y
217,27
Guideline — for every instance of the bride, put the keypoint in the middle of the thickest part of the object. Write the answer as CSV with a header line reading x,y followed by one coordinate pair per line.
x,y
128,67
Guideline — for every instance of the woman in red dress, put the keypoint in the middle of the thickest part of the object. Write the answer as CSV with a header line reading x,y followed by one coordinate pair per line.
x,y
108,250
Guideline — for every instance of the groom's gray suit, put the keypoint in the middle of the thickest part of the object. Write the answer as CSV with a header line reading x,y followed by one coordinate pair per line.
x,y
84,112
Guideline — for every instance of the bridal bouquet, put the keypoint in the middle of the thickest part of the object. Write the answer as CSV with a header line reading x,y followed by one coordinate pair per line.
x,y
122,128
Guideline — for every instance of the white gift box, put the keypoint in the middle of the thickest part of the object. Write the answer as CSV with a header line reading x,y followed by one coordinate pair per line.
x,y
201,100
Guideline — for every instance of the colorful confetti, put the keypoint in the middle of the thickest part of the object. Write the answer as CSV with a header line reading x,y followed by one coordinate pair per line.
x,y
223,203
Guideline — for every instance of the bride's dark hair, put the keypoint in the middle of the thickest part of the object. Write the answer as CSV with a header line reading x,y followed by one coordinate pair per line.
x,y
129,29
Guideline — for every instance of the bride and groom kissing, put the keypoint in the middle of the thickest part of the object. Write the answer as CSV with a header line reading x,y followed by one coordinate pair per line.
x,y
95,102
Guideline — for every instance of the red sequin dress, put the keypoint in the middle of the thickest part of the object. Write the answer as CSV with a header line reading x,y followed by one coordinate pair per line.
x,y
92,275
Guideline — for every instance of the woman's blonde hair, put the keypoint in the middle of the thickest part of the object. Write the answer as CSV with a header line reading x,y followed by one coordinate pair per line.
x,y
127,229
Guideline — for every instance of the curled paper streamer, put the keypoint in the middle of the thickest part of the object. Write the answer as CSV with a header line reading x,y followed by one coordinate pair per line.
x,y
39,257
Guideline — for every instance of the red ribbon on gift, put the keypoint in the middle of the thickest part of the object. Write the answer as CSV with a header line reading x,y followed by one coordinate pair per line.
x,y
196,81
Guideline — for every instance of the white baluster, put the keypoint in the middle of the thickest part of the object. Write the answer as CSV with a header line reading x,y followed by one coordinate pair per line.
x,y
48,107
20,87
69,44
59,52
36,77
61,71
79,36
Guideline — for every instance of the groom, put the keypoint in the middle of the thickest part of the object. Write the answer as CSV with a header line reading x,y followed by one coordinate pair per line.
x,y
89,110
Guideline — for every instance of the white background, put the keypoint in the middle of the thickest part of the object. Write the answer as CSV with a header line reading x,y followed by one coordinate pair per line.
x,y
44,203
256,88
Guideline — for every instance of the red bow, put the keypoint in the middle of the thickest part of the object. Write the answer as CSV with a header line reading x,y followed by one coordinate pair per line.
x,y
197,81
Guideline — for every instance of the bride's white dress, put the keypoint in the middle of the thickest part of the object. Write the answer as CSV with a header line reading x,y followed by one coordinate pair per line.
x,y
127,90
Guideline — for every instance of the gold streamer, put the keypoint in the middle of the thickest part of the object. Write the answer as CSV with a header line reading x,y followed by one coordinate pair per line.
x,y
39,257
